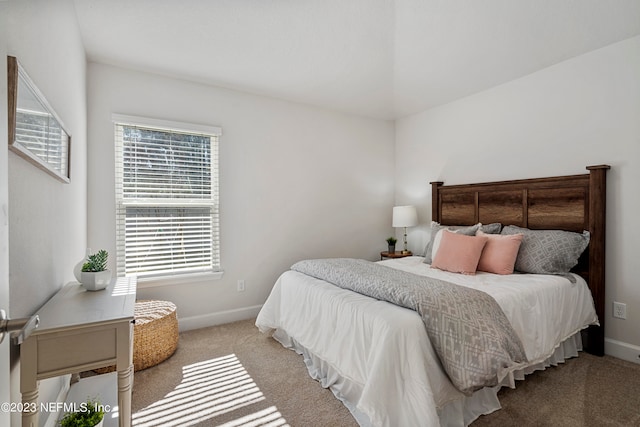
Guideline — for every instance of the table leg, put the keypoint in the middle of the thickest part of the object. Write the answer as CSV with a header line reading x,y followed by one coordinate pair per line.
x,y
30,400
29,382
125,369
125,385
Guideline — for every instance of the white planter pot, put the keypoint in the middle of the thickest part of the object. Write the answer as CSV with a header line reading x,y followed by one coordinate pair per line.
x,y
95,281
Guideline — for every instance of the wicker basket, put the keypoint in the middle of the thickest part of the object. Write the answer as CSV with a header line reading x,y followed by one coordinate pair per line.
x,y
155,334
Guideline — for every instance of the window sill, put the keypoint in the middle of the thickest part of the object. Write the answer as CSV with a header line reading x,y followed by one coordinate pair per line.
x,y
152,282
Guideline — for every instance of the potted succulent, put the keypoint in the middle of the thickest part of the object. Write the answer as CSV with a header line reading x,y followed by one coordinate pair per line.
x,y
90,414
391,241
94,275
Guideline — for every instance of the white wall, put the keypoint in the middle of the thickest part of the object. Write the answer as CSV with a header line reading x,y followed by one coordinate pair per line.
x,y
5,376
584,111
295,182
47,219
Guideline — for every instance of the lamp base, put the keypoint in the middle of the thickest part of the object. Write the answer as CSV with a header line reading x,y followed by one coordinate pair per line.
x,y
406,252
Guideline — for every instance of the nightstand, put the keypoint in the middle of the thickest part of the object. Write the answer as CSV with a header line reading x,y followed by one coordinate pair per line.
x,y
397,254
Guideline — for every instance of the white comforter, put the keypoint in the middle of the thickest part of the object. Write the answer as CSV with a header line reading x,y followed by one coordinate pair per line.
x,y
376,357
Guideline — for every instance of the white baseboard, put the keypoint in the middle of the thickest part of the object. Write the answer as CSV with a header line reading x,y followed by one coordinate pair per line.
x,y
219,318
622,350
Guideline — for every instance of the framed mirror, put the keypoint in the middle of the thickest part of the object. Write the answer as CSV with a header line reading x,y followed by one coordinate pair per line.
x,y
35,131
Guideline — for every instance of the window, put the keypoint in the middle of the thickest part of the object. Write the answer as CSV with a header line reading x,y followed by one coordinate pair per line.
x,y
167,214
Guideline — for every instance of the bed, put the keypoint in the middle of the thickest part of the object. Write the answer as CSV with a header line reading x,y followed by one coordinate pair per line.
x,y
378,357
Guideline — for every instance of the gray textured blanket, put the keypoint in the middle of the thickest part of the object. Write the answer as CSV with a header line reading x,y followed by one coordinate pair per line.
x,y
470,333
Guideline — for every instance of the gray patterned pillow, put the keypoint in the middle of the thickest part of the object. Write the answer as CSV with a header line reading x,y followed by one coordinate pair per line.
x,y
548,251
467,230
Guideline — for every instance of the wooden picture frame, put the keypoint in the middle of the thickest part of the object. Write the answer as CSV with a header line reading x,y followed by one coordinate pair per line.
x,y
36,133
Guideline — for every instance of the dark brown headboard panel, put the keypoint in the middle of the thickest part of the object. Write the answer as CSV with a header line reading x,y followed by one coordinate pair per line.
x,y
572,203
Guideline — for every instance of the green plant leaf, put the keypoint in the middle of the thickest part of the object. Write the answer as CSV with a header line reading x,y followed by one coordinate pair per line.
x,y
88,416
96,262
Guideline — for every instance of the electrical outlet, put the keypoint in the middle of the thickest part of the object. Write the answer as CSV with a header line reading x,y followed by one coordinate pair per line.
x,y
619,310
240,285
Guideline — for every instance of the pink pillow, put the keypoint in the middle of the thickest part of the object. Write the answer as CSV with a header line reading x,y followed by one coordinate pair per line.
x,y
500,252
458,253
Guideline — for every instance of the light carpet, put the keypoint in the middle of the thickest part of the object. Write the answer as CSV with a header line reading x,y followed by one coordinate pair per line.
x,y
232,375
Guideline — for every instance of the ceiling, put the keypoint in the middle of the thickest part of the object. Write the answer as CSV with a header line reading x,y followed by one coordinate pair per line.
x,y
378,58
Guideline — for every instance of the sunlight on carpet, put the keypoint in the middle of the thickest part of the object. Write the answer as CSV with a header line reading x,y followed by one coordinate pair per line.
x,y
209,389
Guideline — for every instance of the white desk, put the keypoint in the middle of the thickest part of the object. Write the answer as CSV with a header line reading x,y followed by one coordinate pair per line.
x,y
79,331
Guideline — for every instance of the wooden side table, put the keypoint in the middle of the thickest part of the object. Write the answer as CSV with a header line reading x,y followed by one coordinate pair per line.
x,y
79,331
397,254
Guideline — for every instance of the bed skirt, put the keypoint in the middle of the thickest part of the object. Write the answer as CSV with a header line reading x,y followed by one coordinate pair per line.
x,y
459,412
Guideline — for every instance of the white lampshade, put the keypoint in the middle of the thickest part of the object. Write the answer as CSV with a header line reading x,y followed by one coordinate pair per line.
x,y
404,216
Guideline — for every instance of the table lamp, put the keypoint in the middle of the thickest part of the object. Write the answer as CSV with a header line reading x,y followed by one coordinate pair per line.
x,y
404,216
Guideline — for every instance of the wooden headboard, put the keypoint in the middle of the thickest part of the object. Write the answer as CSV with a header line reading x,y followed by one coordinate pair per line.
x,y
572,203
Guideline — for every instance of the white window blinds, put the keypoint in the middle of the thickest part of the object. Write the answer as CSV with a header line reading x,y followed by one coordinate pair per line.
x,y
44,137
167,216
